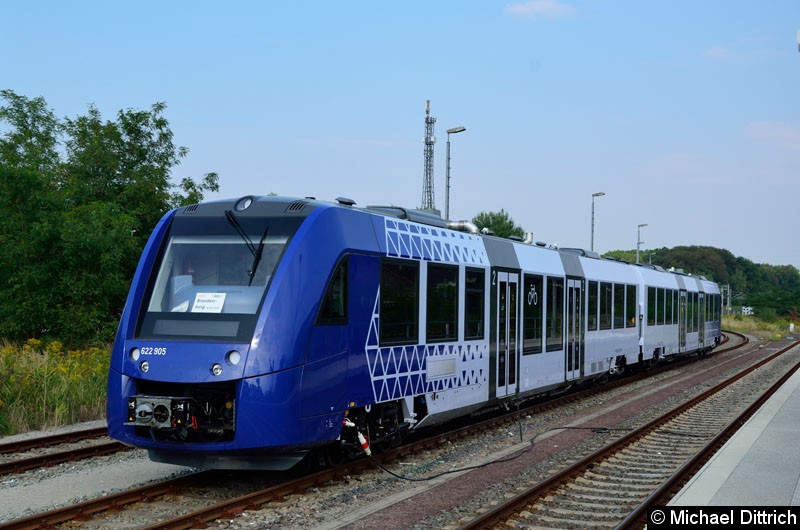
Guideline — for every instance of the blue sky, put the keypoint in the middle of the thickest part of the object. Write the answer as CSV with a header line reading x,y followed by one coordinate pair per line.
x,y
685,113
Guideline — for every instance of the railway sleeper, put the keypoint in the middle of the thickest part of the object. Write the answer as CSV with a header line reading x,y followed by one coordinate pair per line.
x,y
615,479
597,498
560,522
590,513
612,505
584,482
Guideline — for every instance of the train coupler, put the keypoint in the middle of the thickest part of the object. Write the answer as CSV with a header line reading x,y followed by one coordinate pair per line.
x,y
362,440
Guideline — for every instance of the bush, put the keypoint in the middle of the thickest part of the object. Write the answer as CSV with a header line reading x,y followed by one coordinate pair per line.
x,y
43,386
756,327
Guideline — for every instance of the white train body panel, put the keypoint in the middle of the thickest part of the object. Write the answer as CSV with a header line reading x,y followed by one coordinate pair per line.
x,y
545,369
620,337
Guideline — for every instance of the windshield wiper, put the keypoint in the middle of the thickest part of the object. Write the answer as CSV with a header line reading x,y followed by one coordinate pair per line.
x,y
256,251
257,256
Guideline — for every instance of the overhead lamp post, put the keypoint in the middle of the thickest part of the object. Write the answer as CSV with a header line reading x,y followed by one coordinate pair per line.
x,y
639,239
454,130
598,194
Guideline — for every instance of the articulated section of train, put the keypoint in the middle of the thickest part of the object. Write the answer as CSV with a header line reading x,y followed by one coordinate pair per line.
x,y
262,330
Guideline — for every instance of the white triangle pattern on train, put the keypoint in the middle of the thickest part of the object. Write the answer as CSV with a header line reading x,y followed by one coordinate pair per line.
x,y
399,371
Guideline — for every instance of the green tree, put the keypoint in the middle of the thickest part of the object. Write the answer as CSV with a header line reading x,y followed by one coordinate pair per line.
x,y
499,223
190,192
773,290
30,216
33,136
78,200
128,162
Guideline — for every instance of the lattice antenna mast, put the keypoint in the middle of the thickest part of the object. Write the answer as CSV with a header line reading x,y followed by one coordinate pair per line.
x,y
427,182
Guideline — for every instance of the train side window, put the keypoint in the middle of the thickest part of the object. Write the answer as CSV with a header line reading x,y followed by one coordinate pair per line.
x,y
619,306
442,303
714,307
555,314
717,307
630,306
474,304
660,307
711,306
592,317
676,306
532,313
605,305
334,306
651,306
399,318
701,309
668,317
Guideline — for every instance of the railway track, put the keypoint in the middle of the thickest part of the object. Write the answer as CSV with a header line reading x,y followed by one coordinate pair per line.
x,y
612,487
49,453
51,440
273,491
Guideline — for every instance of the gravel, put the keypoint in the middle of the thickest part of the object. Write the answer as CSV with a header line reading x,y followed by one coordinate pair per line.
x,y
375,497
22,495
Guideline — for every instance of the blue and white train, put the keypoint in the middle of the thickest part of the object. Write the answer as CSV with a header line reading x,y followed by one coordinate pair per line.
x,y
258,331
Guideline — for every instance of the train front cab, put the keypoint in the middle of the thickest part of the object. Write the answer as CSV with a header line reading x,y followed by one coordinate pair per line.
x,y
211,325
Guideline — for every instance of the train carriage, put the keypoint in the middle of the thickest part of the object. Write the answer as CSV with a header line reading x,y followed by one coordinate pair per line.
x,y
258,331
614,325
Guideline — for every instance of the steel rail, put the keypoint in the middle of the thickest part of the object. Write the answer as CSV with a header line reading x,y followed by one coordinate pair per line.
x,y
521,501
671,486
53,439
51,459
277,492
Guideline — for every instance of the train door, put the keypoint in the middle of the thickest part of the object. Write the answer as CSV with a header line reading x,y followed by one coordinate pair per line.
x,y
507,343
682,321
574,323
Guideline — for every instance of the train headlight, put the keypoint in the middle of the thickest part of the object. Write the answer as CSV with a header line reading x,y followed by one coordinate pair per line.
x,y
134,353
145,366
233,357
216,369
243,204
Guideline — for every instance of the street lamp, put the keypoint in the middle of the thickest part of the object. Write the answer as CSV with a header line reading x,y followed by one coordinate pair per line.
x,y
639,239
598,194
454,130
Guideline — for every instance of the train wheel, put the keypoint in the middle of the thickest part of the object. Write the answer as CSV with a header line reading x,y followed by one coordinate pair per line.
x,y
333,455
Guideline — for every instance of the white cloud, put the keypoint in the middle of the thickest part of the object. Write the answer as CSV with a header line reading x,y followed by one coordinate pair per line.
x,y
716,52
540,9
779,134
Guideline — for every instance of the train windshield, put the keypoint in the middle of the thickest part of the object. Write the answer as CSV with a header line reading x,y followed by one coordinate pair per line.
x,y
210,285
213,275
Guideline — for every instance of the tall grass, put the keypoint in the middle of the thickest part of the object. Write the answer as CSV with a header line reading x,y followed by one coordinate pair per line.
x,y
762,329
42,385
